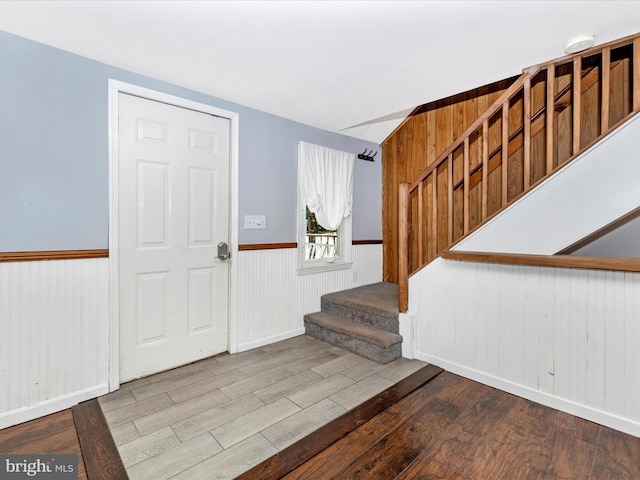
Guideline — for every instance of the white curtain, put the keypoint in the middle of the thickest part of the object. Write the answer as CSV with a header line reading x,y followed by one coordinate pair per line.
x,y
326,179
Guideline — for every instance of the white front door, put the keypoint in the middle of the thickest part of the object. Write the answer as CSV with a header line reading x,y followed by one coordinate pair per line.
x,y
173,211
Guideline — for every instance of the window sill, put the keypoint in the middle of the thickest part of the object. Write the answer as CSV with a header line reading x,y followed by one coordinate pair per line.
x,y
321,267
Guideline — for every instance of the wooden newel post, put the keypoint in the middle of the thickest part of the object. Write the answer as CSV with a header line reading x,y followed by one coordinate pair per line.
x,y
403,248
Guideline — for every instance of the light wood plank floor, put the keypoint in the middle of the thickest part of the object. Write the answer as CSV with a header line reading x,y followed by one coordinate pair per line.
x,y
217,418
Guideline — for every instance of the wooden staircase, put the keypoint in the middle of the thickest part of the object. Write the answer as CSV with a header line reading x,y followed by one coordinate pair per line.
x,y
538,123
545,119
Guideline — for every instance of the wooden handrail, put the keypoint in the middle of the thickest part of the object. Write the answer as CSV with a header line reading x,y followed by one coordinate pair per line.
x,y
488,156
558,261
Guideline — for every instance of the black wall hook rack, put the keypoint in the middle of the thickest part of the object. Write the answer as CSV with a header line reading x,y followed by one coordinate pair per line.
x,y
367,156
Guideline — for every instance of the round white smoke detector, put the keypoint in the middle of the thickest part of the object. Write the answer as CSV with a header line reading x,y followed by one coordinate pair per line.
x,y
580,43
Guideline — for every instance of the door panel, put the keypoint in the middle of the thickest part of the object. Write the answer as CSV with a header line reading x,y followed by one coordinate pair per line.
x,y
153,205
202,189
173,202
201,284
150,302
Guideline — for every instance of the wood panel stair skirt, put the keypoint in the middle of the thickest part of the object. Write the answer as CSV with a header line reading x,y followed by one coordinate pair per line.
x,y
362,320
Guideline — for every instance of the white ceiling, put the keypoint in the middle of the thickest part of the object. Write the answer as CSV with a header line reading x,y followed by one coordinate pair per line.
x,y
356,67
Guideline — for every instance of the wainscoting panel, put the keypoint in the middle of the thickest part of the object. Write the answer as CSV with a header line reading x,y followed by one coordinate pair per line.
x,y
567,338
272,298
54,322
53,335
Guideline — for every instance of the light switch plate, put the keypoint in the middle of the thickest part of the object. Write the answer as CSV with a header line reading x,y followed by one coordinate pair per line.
x,y
255,222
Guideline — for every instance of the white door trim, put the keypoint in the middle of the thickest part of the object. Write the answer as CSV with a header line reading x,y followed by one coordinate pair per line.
x,y
116,87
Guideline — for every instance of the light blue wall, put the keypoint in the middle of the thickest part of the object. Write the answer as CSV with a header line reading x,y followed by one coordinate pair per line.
x,y
54,155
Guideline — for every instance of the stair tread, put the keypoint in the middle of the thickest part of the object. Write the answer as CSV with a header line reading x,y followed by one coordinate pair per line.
x,y
355,329
381,297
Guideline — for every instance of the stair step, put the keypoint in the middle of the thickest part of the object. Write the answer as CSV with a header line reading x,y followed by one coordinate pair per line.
x,y
375,305
373,343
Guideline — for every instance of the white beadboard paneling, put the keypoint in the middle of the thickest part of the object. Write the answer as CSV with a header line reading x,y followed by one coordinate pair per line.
x,y
464,329
578,302
272,298
615,345
632,340
564,337
481,324
560,308
54,326
596,332
367,264
54,340
530,325
546,338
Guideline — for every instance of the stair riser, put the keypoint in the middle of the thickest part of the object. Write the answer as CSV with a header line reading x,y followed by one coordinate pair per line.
x,y
388,322
357,346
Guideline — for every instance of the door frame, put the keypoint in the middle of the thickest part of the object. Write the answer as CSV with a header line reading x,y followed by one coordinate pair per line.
x,y
115,88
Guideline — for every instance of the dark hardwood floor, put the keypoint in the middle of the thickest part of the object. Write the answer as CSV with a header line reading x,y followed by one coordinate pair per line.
x,y
454,428
81,430
53,434
101,457
447,428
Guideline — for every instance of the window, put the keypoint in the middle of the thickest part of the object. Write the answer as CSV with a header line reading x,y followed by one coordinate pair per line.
x,y
319,242
325,192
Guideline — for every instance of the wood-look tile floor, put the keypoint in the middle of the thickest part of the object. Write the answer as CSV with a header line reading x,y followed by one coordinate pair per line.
x,y
216,418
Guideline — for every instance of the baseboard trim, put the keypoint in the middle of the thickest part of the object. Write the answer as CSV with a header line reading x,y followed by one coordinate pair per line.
x,y
24,414
269,340
588,413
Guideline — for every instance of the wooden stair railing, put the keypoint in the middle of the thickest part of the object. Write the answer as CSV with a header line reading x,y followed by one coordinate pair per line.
x,y
557,261
545,119
562,101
